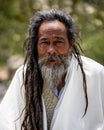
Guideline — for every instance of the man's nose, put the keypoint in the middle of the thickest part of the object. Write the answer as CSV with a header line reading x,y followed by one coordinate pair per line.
x,y
51,50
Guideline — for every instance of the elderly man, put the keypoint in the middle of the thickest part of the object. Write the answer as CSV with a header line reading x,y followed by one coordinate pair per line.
x,y
56,88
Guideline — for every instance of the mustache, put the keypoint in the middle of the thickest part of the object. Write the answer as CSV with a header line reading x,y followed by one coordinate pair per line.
x,y
48,58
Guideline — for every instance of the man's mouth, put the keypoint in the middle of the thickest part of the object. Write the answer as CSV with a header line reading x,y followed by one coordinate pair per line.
x,y
53,62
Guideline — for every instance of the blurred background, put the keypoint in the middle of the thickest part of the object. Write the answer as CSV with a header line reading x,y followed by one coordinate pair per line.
x,y
14,19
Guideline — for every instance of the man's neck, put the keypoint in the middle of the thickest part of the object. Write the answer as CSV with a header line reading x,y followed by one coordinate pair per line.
x,y
61,85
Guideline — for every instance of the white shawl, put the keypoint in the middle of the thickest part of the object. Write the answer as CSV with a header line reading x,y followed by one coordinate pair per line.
x,y
70,108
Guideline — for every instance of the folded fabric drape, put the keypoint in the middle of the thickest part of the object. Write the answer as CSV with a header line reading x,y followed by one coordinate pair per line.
x,y
68,112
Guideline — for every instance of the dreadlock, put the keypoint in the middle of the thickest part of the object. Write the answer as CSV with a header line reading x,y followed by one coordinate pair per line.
x,y
33,82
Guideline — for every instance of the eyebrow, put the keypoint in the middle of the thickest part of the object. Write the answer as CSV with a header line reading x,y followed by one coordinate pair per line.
x,y
45,38
59,37
42,39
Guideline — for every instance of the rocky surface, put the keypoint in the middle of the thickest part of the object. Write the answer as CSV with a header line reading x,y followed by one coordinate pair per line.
x,y
3,89
6,73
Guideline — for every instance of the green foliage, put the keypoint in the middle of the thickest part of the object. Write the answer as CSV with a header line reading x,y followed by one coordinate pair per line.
x,y
12,37
14,17
93,46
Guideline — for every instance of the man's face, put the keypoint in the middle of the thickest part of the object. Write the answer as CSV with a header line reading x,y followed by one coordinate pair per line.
x,y
53,41
53,51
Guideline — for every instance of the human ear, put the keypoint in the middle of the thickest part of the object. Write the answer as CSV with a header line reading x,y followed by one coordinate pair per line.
x,y
72,44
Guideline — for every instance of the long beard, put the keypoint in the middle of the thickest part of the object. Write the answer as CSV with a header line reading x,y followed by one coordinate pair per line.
x,y
53,74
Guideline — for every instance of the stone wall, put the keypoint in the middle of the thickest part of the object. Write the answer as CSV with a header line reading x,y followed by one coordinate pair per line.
x,y
6,73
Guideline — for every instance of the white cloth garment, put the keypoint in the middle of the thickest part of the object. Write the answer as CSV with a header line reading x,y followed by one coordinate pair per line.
x,y
71,105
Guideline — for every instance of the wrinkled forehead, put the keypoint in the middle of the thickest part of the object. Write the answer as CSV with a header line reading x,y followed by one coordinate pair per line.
x,y
50,27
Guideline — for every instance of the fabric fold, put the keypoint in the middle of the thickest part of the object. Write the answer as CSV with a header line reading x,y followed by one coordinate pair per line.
x,y
71,105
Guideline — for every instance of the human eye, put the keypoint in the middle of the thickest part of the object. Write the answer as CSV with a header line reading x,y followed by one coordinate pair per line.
x,y
44,44
59,43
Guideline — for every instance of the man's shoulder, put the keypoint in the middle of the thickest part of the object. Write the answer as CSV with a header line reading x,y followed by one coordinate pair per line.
x,y
18,75
20,69
92,65
19,72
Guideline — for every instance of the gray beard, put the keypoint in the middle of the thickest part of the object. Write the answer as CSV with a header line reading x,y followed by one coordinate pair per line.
x,y
53,75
